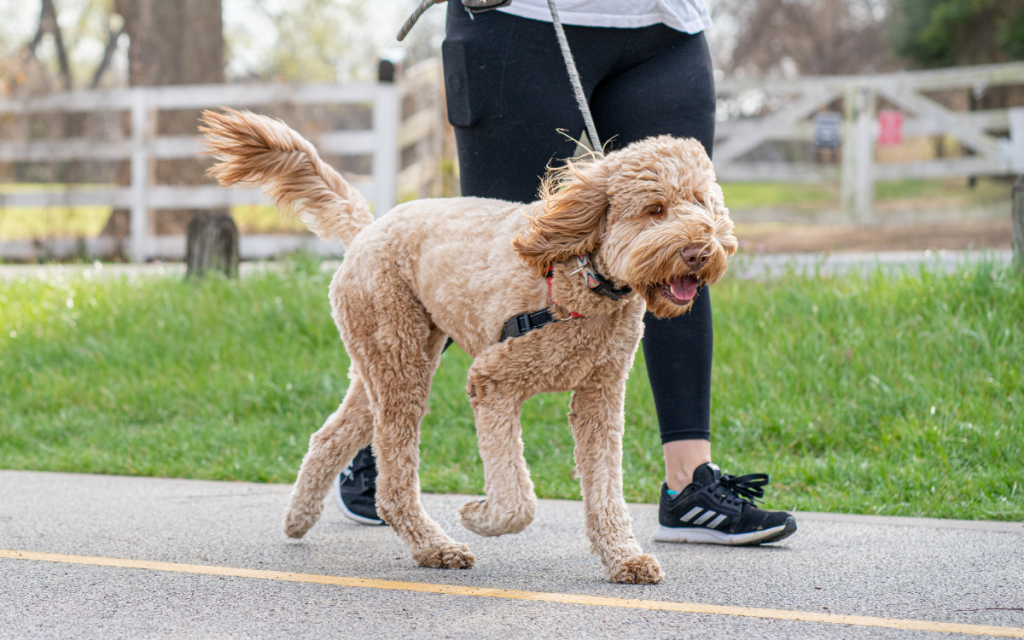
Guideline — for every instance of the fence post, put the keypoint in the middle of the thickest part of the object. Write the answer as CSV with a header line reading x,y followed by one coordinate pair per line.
x,y
1018,223
848,168
440,107
386,111
139,217
864,174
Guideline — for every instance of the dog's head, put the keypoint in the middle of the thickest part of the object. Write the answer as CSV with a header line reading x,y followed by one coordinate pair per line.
x,y
651,214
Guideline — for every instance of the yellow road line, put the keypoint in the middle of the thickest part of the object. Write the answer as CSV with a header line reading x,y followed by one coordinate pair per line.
x,y
537,596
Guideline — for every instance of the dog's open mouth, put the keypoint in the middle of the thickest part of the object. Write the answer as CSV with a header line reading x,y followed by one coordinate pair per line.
x,y
680,290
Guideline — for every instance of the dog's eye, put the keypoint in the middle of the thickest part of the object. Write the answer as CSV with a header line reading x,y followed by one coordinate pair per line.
x,y
656,211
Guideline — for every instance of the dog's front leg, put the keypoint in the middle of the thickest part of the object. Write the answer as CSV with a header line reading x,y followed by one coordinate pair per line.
x,y
400,390
511,503
596,417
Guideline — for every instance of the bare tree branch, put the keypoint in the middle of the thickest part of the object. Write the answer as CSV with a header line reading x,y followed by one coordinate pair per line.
x,y
40,32
817,36
49,16
30,49
108,54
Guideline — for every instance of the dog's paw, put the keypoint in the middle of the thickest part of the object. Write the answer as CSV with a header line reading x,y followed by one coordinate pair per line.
x,y
297,521
487,518
639,569
447,555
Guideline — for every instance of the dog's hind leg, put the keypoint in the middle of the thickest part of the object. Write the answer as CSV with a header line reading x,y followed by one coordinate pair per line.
x,y
596,417
345,432
511,503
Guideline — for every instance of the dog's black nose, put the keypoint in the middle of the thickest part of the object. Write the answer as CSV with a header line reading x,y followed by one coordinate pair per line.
x,y
694,257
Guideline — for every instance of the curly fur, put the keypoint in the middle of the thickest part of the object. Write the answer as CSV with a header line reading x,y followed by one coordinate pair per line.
x,y
460,267
572,221
259,151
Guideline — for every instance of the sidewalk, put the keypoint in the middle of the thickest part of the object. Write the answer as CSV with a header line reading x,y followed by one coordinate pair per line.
x,y
229,571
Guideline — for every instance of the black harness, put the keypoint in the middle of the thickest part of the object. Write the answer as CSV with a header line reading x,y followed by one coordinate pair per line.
x,y
526,322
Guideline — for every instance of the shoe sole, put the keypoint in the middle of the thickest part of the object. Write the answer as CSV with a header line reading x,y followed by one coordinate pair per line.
x,y
355,517
710,536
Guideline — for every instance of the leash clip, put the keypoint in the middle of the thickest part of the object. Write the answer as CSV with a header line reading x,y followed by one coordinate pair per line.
x,y
472,7
480,6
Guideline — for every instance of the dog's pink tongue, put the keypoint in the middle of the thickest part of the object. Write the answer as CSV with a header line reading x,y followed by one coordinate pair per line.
x,y
684,288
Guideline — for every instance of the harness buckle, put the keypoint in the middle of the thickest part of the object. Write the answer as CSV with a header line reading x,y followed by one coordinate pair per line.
x,y
517,326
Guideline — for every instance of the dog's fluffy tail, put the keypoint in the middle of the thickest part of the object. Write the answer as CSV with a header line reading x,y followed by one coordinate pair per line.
x,y
263,152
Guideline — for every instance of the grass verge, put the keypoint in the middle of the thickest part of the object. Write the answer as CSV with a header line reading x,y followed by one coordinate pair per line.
x,y
901,396
901,194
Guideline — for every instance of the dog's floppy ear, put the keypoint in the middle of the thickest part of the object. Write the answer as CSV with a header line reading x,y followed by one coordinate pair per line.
x,y
575,201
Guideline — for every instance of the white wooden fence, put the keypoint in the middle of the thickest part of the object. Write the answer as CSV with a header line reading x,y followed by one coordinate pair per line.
x,y
788,118
800,98
384,141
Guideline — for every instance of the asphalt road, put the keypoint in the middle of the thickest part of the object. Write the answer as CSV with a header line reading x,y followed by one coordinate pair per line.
x,y
912,569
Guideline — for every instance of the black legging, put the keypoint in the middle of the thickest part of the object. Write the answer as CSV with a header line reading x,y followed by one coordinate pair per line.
x,y
509,95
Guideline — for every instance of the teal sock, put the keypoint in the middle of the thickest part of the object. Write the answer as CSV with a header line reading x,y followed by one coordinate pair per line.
x,y
672,493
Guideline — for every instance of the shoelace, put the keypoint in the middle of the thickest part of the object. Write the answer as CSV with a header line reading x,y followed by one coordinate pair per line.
x,y
366,470
749,488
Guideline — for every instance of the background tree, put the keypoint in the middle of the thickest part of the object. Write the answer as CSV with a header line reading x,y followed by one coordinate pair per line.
x,y
73,53
946,33
323,40
805,37
179,42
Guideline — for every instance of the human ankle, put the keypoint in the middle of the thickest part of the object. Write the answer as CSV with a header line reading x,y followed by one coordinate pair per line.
x,y
682,457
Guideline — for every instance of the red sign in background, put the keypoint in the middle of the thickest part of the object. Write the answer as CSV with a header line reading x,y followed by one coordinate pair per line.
x,y
890,127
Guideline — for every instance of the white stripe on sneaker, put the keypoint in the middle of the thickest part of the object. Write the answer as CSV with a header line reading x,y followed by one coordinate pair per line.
x,y
691,513
717,521
336,491
693,534
704,518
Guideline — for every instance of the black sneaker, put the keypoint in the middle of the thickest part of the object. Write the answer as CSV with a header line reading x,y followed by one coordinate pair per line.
x,y
355,489
719,509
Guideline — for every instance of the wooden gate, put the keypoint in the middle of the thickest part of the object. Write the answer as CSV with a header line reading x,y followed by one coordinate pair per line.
x,y
796,101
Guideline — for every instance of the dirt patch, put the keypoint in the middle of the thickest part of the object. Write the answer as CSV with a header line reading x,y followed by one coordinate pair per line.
x,y
782,238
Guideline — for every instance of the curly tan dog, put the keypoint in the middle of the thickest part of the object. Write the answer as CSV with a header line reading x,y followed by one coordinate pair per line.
x,y
640,228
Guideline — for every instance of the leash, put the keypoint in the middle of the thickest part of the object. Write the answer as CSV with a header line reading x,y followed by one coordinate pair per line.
x,y
471,6
478,6
420,10
526,322
574,79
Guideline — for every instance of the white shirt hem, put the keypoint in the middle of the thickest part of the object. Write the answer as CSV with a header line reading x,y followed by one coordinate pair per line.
x,y
698,22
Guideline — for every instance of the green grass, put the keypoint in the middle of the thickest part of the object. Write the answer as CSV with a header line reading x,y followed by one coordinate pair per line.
x,y
986,191
774,195
883,395
924,193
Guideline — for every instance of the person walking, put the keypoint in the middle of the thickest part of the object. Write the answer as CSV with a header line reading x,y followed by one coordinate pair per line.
x,y
646,71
